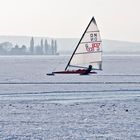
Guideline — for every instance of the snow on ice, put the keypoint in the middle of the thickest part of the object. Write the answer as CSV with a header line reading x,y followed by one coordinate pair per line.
x,y
34,106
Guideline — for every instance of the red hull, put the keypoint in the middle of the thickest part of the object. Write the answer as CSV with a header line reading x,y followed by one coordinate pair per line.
x,y
81,72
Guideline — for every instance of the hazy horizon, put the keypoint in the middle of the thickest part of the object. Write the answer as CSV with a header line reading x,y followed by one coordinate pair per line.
x,y
117,20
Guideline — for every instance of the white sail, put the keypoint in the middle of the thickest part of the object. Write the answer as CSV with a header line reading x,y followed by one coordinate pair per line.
x,y
89,49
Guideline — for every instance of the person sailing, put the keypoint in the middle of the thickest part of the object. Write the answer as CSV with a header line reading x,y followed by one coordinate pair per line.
x,y
87,71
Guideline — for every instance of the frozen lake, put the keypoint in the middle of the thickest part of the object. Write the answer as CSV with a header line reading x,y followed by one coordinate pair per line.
x,y
36,106
25,78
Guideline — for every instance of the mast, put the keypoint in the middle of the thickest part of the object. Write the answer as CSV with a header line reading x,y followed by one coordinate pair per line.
x,y
92,20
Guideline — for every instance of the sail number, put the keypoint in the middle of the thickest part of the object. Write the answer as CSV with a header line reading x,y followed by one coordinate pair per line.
x,y
93,37
93,48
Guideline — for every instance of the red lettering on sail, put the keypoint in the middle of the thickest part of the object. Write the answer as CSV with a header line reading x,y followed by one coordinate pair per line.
x,y
95,47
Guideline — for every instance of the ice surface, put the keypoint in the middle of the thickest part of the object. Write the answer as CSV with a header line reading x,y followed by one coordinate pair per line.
x,y
34,106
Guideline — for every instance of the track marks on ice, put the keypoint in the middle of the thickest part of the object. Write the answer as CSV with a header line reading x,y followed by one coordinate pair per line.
x,y
70,91
65,83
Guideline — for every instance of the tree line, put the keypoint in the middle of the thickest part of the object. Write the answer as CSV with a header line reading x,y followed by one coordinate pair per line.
x,y
43,48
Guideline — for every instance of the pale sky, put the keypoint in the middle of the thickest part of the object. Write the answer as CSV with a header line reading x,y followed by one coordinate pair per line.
x,y
116,19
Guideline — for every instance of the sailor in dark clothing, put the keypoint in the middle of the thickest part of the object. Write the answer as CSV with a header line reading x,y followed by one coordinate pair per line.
x,y
87,71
